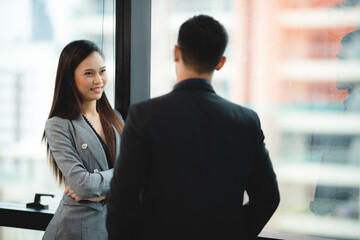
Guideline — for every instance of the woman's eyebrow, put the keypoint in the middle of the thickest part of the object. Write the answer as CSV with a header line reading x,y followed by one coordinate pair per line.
x,y
91,69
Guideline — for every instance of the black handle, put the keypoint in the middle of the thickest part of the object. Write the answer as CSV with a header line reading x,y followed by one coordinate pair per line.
x,y
36,204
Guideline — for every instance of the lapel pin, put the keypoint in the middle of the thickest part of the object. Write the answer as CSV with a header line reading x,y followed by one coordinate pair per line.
x,y
96,170
84,146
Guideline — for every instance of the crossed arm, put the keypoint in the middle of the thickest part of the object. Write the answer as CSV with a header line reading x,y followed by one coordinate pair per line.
x,y
84,185
77,198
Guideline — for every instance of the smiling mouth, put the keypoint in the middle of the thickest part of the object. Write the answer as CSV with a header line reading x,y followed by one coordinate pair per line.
x,y
96,89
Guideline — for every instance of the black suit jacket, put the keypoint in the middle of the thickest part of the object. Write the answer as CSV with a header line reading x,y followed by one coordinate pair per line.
x,y
186,160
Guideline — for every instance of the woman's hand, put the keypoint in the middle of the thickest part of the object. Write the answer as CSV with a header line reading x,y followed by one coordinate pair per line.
x,y
77,199
72,194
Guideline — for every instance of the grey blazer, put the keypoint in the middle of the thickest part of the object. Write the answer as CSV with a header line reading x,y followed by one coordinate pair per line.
x,y
82,160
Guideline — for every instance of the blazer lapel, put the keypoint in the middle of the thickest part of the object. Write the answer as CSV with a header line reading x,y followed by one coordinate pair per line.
x,y
86,135
117,143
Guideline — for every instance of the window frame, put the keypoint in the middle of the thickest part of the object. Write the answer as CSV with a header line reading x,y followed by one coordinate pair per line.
x,y
133,49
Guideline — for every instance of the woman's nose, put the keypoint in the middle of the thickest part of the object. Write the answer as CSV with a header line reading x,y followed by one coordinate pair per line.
x,y
97,79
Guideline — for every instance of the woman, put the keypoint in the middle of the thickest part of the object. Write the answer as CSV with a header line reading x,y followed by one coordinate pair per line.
x,y
83,140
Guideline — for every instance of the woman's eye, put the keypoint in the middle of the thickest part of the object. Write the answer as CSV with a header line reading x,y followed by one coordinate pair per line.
x,y
88,73
103,70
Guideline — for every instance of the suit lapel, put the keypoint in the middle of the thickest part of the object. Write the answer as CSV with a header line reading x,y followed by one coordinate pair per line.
x,y
85,135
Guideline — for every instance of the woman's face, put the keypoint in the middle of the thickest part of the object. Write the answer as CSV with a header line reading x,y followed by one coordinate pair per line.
x,y
91,77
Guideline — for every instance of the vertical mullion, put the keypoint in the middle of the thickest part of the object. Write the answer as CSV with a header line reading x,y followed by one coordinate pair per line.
x,y
133,36
122,56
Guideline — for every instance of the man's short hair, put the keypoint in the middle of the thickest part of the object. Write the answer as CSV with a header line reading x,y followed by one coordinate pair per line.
x,y
202,41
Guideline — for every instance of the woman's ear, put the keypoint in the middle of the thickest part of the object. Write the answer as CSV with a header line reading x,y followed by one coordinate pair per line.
x,y
221,63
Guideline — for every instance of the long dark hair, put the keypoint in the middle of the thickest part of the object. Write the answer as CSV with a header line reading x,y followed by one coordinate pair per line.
x,y
67,99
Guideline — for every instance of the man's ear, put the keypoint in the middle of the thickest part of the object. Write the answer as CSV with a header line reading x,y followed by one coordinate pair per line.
x,y
221,63
177,53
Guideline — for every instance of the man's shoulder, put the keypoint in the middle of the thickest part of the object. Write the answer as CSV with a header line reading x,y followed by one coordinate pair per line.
x,y
170,100
237,107
152,102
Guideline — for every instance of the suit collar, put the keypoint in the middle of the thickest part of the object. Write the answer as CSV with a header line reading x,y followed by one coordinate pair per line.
x,y
194,83
93,143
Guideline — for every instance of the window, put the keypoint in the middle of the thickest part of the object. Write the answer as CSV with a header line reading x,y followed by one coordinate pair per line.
x,y
283,61
33,34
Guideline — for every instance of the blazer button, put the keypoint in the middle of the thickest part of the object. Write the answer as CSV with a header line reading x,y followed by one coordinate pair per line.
x,y
84,146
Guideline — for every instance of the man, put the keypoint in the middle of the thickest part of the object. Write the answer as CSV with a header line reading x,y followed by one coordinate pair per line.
x,y
188,157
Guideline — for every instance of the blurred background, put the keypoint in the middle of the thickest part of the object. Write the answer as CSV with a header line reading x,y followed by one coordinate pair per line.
x,y
285,60
292,61
33,34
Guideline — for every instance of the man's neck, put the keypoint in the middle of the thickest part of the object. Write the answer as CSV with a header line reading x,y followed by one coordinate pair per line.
x,y
183,76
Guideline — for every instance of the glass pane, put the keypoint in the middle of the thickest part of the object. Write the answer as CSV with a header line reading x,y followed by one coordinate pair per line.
x,y
286,61
33,33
